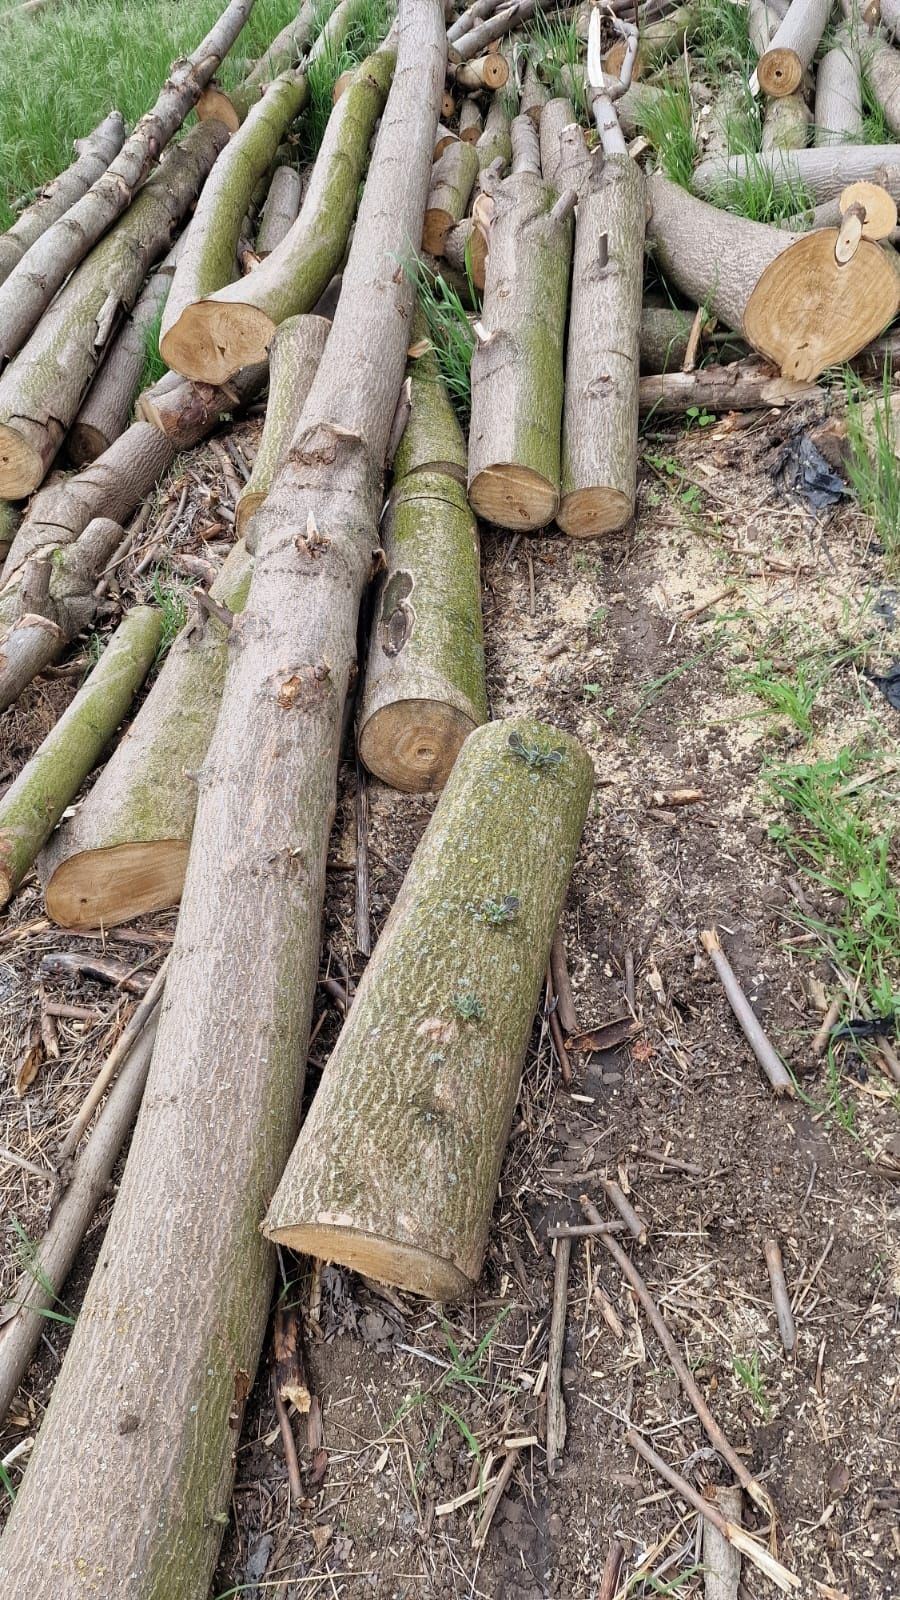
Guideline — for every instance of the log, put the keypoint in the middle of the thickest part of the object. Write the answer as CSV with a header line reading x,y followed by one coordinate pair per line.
x,y
824,172
255,882
445,137
600,415
9,522
280,211
786,123
466,250
746,385
660,41
293,360
468,18
42,390
34,803
419,1096
240,319
780,68
432,440
665,332
485,72
534,97
763,20
495,143
839,117
186,412
556,118
94,155
452,181
729,126
45,266
124,852
504,20
471,124
233,105
517,366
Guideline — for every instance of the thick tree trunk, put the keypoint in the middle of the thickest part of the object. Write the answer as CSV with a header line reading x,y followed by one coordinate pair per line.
x,y
293,362
786,123
484,72
188,335
233,105
41,391
600,417
471,125
182,1356
747,385
452,181
824,172
280,211
34,803
124,853
419,1097
517,367
31,286
240,319
94,155
791,48
665,332
495,143
839,117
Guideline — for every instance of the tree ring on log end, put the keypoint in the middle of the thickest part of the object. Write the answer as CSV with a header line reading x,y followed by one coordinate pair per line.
x,y
589,513
212,340
248,504
110,886
879,208
21,467
514,497
413,744
387,1260
779,72
215,105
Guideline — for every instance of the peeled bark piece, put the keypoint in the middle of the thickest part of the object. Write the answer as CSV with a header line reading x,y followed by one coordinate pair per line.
x,y
255,882
746,385
30,288
231,106
124,853
786,123
94,155
824,172
395,1170
42,390
495,143
242,317
791,49
808,312
34,803
839,118
281,209
452,181
600,418
470,122
293,361
486,72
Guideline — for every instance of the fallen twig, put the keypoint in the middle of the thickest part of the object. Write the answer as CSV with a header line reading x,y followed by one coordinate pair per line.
x,y
556,1405
498,1490
780,1296
290,1447
119,1052
820,1041
565,1000
752,1028
584,1230
635,1223
609,1581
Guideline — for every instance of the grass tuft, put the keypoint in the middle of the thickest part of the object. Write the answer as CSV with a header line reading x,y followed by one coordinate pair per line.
x,y
668,123
453,339
154,366
872,467
758,197
366,33
171,600
557,51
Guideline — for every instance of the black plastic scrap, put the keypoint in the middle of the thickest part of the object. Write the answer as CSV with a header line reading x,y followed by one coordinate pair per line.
x,y
801,469
889,684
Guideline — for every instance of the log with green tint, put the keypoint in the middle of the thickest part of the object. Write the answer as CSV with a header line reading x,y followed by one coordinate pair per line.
x,y
189,333
432,439
231,106
294,357
124,853
34,803
395,1171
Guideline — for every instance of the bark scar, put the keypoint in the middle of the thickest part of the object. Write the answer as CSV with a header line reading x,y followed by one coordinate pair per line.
x,y
397,615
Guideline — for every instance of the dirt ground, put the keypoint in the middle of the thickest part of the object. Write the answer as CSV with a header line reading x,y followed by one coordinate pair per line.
x,y
642,648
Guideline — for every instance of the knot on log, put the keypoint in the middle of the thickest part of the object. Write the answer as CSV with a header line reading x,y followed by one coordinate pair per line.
x,y
397,616
312,542
303,689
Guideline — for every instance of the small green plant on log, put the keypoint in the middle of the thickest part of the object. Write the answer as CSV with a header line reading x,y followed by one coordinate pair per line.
x,y
497,912
533,755
172,603
468,1006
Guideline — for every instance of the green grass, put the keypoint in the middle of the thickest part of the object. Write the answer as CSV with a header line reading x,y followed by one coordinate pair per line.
x,y
875,129
154,366
722,41
366,33
787,696
29,1260
756,195
748,1373
64,69
461,1377
557,50
451,334
872,468
170,598
667,121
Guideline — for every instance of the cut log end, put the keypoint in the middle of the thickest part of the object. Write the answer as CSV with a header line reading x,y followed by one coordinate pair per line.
x,y
513,497
248,504
435,229
590,513
106,887
779,72
21,466
215,105
212,340
386,1260
412,744
85,443
879,208
809,310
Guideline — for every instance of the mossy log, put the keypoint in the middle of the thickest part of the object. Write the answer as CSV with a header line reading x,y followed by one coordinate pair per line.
x,y
746,385
839,116
600,416
786,124
495,143
483,72
124,853
791,48
34,803
94,155
240,319
293,362
823,172
42,389
452,181
43,269
188,341
255,882
432,440
281,209
395,1171
471,123
517,367
231,106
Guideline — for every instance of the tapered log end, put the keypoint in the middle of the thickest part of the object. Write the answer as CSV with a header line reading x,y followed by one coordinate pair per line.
x,y
808,311
386,1260
412,744
213,340
215,105
106,887
21,466
248,504
779,72
85,443
591,513
514,497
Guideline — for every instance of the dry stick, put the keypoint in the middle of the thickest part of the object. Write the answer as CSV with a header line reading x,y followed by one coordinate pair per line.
x,y
291,1382
565,1000
820,1040
635,1223
556,1405
751,1027
609,1581
501,1483
584,1230
363,926
556,1034
780,1295
119,1052
708,1422
721,1560
742,1541
290,1448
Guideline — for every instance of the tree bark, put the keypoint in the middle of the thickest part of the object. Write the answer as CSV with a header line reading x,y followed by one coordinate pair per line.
x,y
839,118
233,105
44,268
432,439
504,20
452,181
786,123
556,118
34,803
467,19
41,391
94,155
824,172
791,48
746,385
188,341
240,319
763,21
484,72
495,143
280,211
293,361
124,852
182,1357
419,1096
600,416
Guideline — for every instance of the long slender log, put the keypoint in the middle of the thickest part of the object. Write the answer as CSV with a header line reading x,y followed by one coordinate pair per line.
x,y
468,18
94,155
824,172
37,799
430,1137
44,268
494,27
786,123
41,391
238,321
600,415
255,882
535,95
294,357
233,105
188,334
281,209
452,181
432,439
746,385
839,117
781,67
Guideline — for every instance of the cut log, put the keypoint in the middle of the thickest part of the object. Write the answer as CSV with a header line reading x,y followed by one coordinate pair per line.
x,y
486,72
470,122
504,20
466,249
468,18
600,417
189,335
419,1097
233,105
823,172
293,361
42,390
432,439
786,123
781,67
747,385
186,412
34,803
517,367
839,117
445,137
878,208
94,155
809,311
763,20
240,319
495,143
665,332
124,852
534,97
255,882
44,268
280,211
452,181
